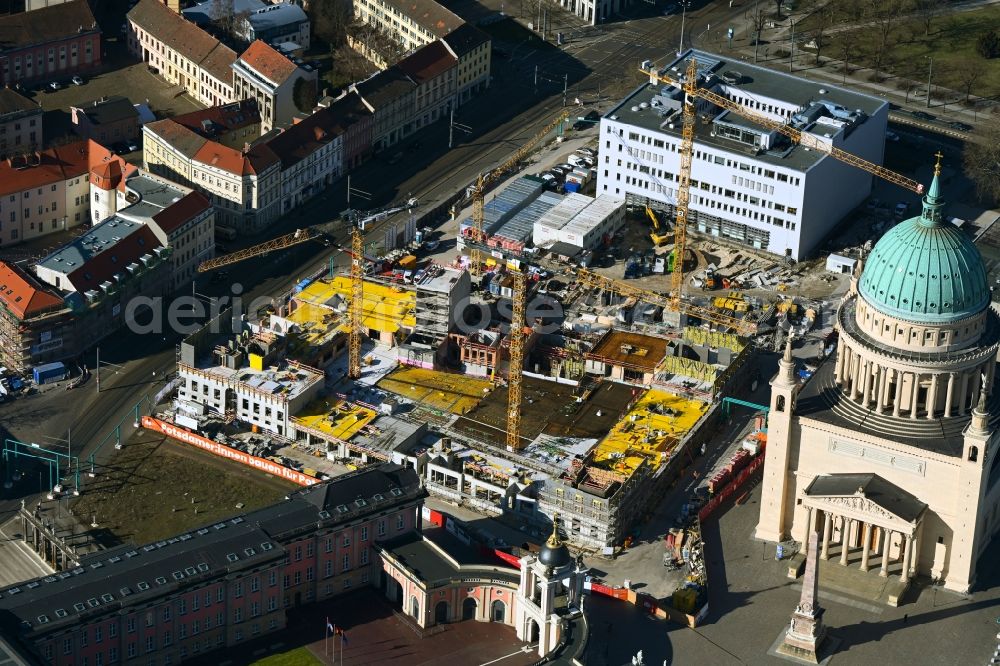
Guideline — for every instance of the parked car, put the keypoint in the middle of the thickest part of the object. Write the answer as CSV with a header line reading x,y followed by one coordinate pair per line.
x,y
120,148
55,85
566,167
923,115
560,170
77,80
891,136
586,152
961,127
133,145
575,160
432,245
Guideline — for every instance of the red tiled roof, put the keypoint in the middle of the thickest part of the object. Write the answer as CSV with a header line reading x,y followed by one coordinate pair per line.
x,y
177,214
427,62
267,62
23,295
228,116
103,266
45,168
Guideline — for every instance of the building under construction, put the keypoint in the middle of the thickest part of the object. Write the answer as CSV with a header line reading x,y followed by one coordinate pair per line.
x,y
229,371
601,494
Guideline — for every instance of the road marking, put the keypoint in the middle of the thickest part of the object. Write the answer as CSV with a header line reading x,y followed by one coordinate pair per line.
x,y
512,654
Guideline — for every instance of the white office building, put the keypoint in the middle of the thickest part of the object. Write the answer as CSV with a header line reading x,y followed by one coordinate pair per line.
x,y
748,184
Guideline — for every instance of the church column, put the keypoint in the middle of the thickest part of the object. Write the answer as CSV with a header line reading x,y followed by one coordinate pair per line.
x,y
963,394
907,547
897,400
845,539
882,394
841,359
914,394
855,376
866,536
949,394
886,542
827,531
866,384
932,396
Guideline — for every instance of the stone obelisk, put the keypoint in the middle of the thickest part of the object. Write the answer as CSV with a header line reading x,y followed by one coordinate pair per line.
x,y
806,633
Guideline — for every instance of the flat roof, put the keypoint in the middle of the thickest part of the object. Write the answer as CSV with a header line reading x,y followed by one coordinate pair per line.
x,y
436,555
384,308
289,382
649,431
446,391
634,350
150,196
755,81
339,419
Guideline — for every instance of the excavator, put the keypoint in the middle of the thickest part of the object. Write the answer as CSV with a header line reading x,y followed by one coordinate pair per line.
x,y
659,239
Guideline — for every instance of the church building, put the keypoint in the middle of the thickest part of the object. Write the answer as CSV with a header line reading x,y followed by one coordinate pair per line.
x,y
889,450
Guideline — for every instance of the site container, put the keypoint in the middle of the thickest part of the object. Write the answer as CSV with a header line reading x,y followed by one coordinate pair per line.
x,y
50,372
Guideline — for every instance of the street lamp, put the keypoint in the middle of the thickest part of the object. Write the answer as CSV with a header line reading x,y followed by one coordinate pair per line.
x,y
930,71
684,8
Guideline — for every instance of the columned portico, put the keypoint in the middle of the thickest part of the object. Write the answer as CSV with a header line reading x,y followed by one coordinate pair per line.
x,y
869,531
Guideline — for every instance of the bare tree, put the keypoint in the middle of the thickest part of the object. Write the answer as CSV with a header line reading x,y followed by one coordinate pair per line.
x,y
757,19
883,14
926,11
777,9
825,19
982,160
330,19
968,75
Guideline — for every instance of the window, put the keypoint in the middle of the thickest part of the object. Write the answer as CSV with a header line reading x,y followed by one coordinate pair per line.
x,y
347,541
272,578
130,625
67,645
238,615
298,553
98,635
112,630
150,643
346,563
113,654
381,527
400,522
329,541
329,568
238,589
166,613
131,650
364,533
182,606
255,584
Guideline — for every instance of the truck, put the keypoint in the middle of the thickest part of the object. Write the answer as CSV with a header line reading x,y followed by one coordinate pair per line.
x,y
225,233
50,372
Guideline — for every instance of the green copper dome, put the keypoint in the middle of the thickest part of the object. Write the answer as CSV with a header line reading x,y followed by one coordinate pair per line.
x,y
926,269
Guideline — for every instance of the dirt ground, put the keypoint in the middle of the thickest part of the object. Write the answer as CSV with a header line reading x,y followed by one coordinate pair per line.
x,y
155,487
549,408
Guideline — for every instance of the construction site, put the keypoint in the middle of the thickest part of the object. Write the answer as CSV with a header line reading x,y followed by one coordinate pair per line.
x,y
570,359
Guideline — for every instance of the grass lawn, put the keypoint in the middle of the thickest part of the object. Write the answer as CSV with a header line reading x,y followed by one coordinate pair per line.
x,y
951,43
155,488
297,657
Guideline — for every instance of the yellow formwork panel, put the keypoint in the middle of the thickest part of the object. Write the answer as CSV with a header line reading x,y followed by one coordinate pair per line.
x,y
654,425
385,309
342,420
444,391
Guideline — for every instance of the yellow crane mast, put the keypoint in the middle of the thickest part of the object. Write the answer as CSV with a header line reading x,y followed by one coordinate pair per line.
x,y
515,373
357,298
684,184
279,243
478,197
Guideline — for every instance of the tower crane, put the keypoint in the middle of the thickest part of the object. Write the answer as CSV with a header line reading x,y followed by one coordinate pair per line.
x,y
479,191
279,243
357,298
516,363
691,92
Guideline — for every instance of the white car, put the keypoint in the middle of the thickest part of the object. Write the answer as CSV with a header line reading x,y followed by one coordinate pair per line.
x,y
586,152
77,80
575,160
55,85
